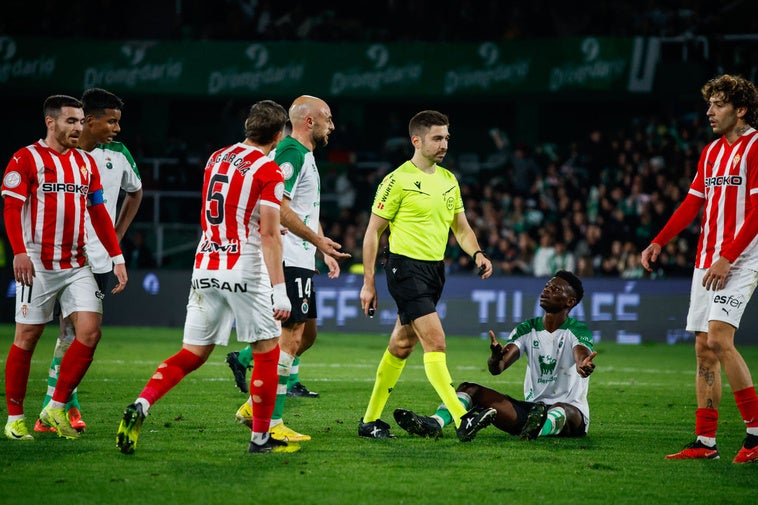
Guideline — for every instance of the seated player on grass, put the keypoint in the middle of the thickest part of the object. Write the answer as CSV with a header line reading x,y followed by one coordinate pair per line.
x,y
559,355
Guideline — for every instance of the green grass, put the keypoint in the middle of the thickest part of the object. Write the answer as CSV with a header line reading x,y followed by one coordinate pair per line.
x,y
191,450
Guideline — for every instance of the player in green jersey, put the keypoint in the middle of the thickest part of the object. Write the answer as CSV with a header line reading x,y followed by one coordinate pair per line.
x,y
559,354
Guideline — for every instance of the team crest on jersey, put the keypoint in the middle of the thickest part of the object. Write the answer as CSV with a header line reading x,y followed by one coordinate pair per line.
x,y
24,310
279,191
83,170
304,306
736,160
547,364
12,180
287,170
108,163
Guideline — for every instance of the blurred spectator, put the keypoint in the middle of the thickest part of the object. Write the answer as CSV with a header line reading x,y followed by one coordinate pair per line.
x,y
562,259
390,20
544,256
524,170
136,251
632,268
584,267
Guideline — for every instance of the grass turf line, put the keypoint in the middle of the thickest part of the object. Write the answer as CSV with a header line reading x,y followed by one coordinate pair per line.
x,y
191,451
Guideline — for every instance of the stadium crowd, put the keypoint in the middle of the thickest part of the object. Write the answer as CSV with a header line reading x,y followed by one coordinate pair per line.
x,y
589,207
389,20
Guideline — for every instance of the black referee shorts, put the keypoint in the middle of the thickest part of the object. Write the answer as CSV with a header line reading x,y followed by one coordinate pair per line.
x,y
415,285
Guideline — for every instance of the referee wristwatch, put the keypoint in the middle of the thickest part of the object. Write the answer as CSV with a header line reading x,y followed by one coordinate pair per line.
x,y
479,252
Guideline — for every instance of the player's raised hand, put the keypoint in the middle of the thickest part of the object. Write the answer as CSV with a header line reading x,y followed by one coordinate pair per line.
x,y
497,352
493,339
587,366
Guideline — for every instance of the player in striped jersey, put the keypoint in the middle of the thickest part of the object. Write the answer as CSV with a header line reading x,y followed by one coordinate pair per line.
x,y
118,171
559,353
48,188
238,259
726,262
311,120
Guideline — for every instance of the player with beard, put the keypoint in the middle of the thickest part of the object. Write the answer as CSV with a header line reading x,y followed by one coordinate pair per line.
x,y
420,202
118,171
48,188
311,120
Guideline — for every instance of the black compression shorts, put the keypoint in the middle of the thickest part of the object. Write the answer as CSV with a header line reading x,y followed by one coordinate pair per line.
x,y
415,285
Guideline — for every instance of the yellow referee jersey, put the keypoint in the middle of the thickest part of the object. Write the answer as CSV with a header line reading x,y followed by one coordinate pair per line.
x,y
420,208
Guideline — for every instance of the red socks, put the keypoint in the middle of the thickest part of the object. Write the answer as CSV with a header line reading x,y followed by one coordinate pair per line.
x,y
74,365
747,403
169,373
16,377
263,384
706,422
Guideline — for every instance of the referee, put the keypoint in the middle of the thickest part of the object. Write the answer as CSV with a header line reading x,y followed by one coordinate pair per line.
x,y
420,202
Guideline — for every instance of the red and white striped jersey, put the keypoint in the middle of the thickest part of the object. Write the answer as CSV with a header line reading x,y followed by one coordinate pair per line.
x,y
238,179
727,177
54,189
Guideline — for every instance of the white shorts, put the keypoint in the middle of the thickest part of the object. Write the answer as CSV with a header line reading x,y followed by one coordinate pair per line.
x,y
75,288
218,298
727,304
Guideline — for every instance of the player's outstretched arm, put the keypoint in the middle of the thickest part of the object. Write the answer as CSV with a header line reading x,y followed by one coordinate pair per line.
x,y
501,357
295,225
584,364
496,355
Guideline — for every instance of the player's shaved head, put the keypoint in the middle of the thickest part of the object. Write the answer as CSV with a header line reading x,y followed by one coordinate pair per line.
x,y
311,121
304,106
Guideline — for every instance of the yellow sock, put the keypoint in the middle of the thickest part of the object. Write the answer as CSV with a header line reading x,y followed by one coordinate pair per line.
x,y
435,365
387,374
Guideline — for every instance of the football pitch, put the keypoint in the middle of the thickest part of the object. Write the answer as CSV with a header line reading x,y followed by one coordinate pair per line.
x,y
191,450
